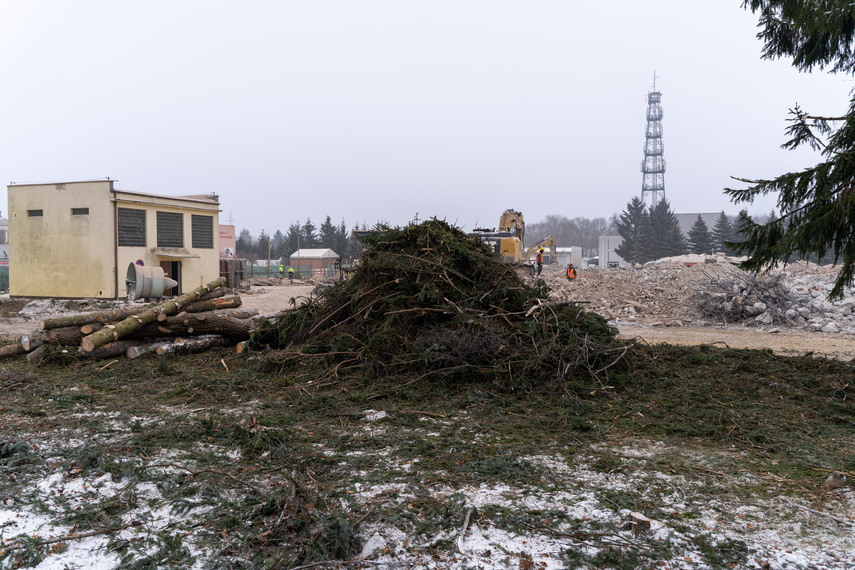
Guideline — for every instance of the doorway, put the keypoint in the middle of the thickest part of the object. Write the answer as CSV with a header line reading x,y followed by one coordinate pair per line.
x,y
172,269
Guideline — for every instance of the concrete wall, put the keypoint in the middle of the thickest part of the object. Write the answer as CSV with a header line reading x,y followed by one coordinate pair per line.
x,y
607,253
59,254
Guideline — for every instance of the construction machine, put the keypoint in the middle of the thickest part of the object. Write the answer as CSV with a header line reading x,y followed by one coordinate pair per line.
x,y
507,240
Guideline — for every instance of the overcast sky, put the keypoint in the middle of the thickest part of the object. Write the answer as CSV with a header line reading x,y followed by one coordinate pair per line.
x,y
385,110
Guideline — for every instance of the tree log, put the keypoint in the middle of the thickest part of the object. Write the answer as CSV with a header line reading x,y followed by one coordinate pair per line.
x,y
196,325
11,350
134,322
91,328
86,318
111,349
209,305
218,292
36,354
32,341
191,345
147,348
65,336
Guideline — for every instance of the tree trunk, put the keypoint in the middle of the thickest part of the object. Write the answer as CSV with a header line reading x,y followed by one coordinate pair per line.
x,y
219,292
65,336
134,322
36,354
32,341
210,305
91,328
86,318
192,345
147,348
11,350
111,349
196,325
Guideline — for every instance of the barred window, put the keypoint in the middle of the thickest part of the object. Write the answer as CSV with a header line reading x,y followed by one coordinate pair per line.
x,y
131,227
35,213
80,211
170,229
203,231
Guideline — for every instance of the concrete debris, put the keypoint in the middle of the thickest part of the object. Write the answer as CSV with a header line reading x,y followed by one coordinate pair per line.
x,y
706,290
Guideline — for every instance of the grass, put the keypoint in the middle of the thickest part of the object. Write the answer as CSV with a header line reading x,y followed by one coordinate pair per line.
x,y
288,497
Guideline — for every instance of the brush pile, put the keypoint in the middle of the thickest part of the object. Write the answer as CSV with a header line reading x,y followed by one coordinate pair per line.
x,y
428,302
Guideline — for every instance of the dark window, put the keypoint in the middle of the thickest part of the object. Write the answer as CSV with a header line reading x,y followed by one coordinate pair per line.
x,y
203,231
131,227
80,211
35,213
170,229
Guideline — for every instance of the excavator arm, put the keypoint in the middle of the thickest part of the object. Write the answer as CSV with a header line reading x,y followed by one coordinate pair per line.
x,y
545,243
512,221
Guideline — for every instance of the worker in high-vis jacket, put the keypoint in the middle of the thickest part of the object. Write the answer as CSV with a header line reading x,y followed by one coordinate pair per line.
x,y
571,272
539,260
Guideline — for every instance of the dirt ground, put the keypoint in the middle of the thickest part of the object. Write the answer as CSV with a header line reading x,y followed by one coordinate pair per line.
x,y
16,319
785,342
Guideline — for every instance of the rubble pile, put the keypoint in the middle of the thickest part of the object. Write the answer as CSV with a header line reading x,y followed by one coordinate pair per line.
x,y
710,290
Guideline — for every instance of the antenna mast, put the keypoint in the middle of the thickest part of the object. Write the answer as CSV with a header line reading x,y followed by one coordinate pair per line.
x,y
653,166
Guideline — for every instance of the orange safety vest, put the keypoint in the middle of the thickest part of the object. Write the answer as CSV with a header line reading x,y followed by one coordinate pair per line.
x,y
539,257
571,273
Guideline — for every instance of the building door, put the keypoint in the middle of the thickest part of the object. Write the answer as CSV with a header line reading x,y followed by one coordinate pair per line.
x,y
172,269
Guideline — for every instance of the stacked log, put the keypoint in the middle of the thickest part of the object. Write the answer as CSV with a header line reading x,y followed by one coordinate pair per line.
x,y
198,320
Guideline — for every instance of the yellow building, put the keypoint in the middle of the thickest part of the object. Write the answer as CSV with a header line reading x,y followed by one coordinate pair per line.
x,y
76,239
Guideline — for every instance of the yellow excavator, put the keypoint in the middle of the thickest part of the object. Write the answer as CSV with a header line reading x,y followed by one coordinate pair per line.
x,y
507,240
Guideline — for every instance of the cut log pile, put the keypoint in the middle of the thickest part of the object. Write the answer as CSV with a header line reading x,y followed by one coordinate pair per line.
x,y
193,322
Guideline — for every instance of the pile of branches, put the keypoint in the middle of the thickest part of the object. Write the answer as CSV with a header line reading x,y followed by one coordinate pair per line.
x,y
426,301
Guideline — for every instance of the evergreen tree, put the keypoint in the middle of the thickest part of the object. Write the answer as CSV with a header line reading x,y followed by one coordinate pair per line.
x,y
700,238
327,235
262,245
278,238
309,235
629,227
341,242
292,241
244,244
815,204
722,232
665,238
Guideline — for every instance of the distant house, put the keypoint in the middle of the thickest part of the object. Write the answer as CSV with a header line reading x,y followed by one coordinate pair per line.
x,y
313,261
77,239
566,255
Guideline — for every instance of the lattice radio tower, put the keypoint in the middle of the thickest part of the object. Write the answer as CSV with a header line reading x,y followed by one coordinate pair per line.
x,y
653,166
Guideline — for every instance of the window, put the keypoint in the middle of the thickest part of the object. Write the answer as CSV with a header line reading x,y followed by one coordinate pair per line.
x,y
80,211
35,213
203,231
170,229
131,227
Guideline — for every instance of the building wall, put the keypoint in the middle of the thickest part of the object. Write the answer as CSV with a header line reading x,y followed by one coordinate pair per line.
x,y
196,271
59,254
607,254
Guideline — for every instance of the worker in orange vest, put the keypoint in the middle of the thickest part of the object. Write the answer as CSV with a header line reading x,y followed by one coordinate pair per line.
x,y
571,272
539,260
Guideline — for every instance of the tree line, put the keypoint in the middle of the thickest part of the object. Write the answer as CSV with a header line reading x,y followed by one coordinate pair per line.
x,y
307,235
653,233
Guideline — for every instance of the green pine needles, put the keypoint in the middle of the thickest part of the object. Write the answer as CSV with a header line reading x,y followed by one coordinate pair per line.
x,y
817,205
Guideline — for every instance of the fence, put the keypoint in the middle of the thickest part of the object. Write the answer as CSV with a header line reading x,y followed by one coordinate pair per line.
x,y
4,278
